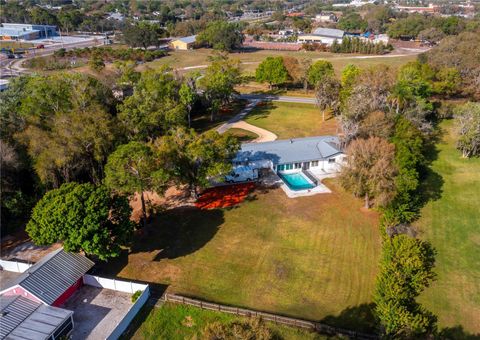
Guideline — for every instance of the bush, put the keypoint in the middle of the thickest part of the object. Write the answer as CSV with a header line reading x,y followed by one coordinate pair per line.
x,y
136,295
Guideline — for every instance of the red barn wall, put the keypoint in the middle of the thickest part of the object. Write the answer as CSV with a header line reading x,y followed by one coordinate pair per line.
x,y
64,297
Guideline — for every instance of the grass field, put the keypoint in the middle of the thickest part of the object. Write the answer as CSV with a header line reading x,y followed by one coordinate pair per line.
x,y
242,135
250,60
311,257
289,120
179,322
452,224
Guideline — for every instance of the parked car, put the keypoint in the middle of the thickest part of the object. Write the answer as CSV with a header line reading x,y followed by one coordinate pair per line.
x,y
40,46
242,174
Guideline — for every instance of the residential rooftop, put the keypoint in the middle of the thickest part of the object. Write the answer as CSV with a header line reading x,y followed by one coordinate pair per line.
x,y
328,32
49,278
22,318
291,150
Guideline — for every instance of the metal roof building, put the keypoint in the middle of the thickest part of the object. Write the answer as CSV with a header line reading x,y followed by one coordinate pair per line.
x,y
184,43
27,31
329,32
22,318
290,150
52,277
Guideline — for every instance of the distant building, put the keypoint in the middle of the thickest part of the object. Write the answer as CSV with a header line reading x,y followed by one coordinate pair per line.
x,y
355,3
322,36
115,16
326,17
286,32
413,9
185,43
10,31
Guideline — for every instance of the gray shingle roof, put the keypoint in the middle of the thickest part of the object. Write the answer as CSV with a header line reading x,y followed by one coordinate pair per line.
x,y
52,275
21,318
291,150
329,32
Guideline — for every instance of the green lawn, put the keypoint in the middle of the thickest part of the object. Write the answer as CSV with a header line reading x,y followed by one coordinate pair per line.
x,y
251,59
311,257
452,224
179,322
288,120
242,135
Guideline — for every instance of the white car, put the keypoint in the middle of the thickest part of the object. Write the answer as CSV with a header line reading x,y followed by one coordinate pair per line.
x,y
242,174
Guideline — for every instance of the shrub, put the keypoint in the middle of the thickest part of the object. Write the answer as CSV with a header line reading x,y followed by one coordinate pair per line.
x,y
136,295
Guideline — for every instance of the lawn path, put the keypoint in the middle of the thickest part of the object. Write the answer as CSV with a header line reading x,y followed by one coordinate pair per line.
x,y
238,122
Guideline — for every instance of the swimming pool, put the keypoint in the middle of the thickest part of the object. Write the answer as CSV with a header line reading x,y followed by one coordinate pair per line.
x,y
296,181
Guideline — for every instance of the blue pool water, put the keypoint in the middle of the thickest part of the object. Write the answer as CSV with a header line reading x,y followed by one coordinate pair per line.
x,y
297,181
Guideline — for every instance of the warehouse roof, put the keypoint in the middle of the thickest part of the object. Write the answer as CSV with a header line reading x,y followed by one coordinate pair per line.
x,y
329,32
21,318
291,150
49,278
15,32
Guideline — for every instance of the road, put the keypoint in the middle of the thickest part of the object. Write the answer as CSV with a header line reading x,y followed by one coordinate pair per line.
x,y
13,67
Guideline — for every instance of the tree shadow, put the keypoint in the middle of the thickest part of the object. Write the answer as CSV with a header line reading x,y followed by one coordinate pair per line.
x,y
179,232
262,110
456,333
431,182
359,318
173,233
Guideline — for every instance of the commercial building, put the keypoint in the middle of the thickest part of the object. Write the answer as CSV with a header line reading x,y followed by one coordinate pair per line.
x,y
322,36
10,31
185,43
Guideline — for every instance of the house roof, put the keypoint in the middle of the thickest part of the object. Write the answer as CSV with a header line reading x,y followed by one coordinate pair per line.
x,y
21,318
49,278
188,40
328,32
291,150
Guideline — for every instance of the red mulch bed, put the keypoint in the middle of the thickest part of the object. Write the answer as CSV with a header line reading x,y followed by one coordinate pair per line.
x,y
224,196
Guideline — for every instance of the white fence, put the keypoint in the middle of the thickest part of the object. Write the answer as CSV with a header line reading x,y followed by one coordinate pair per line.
x,y
14,266
122,286
118,285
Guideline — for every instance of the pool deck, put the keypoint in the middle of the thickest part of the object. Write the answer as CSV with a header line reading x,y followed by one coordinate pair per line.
x,y
319,189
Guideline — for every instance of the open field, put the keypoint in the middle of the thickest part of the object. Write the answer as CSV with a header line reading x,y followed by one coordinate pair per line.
x,y
250,59
452,224
178,322
312,257
289,120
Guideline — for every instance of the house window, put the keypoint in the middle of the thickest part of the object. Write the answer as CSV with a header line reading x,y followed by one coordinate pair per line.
x,y
331,160
280,167
288,166
298,165
314,163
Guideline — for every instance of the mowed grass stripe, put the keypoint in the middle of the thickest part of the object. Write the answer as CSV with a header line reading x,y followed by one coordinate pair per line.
x,y
452,224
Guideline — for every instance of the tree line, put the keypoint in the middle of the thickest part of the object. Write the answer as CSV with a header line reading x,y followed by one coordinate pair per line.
x,y
67,136
388,121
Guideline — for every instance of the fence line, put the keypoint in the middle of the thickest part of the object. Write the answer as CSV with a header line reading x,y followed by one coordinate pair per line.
x,y
316,326
113,284
14,266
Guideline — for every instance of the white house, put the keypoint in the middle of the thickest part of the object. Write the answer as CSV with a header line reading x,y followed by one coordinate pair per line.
x,y
317,154
326,17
